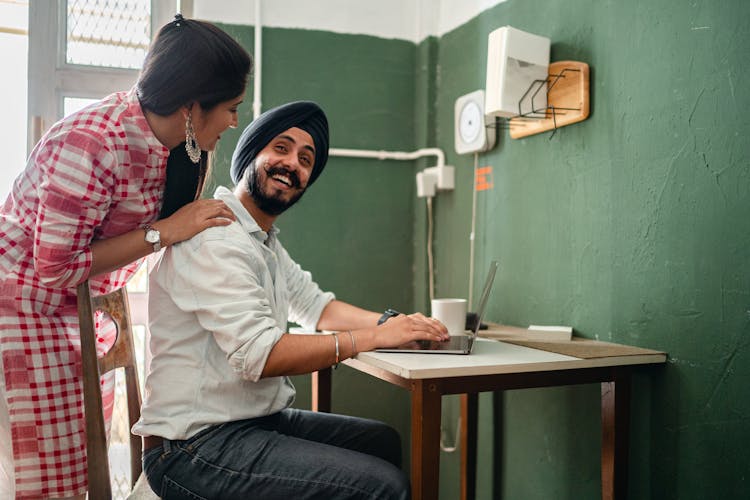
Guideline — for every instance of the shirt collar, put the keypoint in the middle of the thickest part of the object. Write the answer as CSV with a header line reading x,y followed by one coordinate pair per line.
x,y
136,111
243,216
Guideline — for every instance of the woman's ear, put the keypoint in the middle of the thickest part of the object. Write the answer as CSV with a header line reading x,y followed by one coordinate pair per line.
x,y
186,110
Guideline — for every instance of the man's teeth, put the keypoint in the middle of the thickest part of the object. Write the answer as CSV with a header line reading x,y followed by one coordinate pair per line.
x,y
282,178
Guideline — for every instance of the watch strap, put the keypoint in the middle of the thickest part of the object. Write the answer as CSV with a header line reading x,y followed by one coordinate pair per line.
x,y
388,314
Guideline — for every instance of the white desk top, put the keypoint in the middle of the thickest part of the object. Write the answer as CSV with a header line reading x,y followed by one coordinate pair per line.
x,y
489,357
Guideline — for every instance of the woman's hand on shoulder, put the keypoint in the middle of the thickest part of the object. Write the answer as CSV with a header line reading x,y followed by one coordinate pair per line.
x,y
192,219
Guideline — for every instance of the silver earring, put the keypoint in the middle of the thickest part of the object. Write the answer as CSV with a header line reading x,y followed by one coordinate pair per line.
x,y
191,143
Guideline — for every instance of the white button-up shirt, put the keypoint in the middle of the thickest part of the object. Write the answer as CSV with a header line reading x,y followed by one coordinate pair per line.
x,y
218,304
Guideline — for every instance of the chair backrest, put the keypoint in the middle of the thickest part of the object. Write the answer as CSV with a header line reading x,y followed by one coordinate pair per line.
x,y
121,355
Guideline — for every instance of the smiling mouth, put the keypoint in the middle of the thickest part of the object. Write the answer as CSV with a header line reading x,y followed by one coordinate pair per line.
x,y
284,179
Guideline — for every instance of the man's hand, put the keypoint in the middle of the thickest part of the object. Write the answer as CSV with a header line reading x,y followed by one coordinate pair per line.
x,y
404,329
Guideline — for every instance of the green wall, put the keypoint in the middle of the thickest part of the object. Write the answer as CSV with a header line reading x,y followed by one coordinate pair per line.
x,y
632,227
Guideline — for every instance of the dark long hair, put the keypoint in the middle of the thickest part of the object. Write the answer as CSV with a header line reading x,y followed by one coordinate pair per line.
x,y
191,61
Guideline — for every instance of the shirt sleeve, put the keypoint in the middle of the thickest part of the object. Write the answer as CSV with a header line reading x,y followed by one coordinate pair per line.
x,y
306,299
76,169
217,280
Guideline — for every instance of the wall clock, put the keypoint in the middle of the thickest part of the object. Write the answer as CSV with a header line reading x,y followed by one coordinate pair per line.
x,y
471,133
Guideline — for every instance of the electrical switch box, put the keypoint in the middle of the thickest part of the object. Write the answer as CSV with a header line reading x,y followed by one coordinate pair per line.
x,y
517,67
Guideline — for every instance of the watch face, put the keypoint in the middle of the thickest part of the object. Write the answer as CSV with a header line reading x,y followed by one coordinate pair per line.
x,y
470,122
152,236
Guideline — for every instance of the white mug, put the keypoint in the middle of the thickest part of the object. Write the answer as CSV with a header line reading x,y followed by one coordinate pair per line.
x,y
452,313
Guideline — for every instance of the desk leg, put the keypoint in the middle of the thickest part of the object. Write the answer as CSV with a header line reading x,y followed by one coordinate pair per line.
x,y
425,440
615,436
321,390
469,414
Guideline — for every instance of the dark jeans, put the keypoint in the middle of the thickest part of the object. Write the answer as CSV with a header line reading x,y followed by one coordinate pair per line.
x,y
293,454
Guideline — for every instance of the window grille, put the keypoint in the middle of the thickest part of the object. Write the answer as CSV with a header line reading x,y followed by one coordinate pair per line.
x,y
109,33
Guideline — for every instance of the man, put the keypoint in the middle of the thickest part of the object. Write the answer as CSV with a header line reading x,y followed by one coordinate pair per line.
x,y
217,410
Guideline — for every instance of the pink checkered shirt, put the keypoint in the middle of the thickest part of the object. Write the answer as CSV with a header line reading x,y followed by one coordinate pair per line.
x,y
95,174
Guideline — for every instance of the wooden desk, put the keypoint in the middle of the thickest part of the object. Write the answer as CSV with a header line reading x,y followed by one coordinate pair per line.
x,y
496,366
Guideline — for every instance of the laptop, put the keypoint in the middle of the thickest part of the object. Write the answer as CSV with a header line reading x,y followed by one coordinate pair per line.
x,y
457,344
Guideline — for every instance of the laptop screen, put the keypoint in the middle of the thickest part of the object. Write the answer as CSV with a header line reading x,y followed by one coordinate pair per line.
x,y
485,295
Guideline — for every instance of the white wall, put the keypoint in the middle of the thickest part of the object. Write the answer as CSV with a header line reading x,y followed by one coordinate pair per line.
x,y
411,20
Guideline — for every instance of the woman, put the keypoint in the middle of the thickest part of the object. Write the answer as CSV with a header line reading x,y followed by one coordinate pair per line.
x,y
104,188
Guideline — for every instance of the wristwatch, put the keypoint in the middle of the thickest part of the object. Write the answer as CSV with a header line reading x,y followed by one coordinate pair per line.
x,y
388,314
152,236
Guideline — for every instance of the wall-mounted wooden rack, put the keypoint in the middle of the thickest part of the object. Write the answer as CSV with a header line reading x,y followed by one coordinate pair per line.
x,y
567,89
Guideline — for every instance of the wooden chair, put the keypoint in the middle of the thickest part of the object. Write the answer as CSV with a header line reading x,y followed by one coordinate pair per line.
x,y
121,355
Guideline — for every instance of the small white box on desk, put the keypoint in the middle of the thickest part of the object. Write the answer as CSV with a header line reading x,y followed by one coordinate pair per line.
x,y
515,60
551,333
534,333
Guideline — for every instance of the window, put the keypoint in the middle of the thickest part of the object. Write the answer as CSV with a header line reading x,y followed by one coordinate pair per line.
x,y
14,44
108,34
85,49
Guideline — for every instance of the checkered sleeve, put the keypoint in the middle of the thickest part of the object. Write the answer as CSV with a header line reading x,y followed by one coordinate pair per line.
x,y
77,183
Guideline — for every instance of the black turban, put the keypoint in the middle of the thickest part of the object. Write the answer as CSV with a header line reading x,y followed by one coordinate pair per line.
x,y
305,115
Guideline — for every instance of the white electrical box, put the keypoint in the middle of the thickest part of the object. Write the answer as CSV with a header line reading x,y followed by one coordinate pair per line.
x,y
470,132
517,66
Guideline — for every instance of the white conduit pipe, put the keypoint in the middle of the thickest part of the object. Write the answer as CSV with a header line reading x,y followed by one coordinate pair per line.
x,y
472,235
257,62
390,155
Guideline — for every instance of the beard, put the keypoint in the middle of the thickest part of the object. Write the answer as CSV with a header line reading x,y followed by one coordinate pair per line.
x,y
271,203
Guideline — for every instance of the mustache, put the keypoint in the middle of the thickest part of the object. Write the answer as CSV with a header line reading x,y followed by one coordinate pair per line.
x,y
293,177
